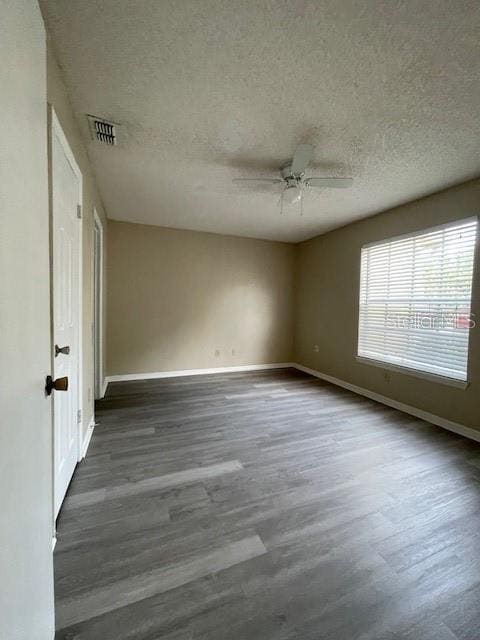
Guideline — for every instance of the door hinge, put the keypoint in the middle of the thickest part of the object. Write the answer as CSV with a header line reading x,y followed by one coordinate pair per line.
x,y
79,211
79,416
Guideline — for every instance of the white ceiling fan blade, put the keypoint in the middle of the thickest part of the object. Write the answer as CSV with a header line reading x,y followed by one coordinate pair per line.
x,y
302,157
329,183
269,180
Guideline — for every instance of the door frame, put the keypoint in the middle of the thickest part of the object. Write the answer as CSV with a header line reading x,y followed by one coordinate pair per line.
x,y
98,338
56,129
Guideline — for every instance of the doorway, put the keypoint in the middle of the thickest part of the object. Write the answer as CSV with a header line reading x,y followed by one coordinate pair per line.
x,y
99,390
66,254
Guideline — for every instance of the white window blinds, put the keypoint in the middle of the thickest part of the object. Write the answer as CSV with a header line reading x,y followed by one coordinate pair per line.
x,y
415,294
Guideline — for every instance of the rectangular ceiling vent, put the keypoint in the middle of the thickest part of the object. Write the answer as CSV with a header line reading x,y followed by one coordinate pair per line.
x,y
102,130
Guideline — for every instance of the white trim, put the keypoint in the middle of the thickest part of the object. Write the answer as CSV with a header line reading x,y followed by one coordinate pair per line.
x,y
104,387
80,320
97,222
196,372
460,429
88,437
54,543
432,377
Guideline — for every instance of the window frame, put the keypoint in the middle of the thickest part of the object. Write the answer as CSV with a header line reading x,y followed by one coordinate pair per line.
x,y
419,373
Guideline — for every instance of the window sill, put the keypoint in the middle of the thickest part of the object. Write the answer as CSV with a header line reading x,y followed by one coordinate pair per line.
x,y
431,377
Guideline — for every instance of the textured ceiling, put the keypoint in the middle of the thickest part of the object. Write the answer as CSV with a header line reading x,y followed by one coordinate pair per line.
x,y
206,91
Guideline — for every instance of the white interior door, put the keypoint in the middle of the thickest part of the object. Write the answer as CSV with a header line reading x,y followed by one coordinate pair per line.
x,y
26,527
66,190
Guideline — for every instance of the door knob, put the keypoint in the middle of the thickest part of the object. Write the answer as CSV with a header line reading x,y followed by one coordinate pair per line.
x,y
60,384
65,350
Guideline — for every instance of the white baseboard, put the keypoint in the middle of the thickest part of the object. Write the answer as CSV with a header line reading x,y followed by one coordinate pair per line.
x,y
87,438
104,387
196,372
54,543
460,429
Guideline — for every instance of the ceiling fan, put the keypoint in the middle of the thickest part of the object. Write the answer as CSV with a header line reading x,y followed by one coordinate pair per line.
x,y
294,180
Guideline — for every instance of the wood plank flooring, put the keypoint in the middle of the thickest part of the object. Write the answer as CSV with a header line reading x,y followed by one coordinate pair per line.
x,y
267,506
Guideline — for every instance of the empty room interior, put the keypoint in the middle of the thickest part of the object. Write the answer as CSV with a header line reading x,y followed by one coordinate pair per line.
x,y
240,290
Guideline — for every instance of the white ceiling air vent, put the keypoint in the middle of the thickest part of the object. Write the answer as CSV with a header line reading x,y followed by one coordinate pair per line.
x,y
102,130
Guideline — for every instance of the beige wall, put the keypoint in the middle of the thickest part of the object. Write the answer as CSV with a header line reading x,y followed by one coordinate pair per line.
x,y
327,306
57,97
176,297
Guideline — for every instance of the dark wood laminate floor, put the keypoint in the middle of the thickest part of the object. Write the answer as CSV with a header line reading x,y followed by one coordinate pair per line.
x,y
268,506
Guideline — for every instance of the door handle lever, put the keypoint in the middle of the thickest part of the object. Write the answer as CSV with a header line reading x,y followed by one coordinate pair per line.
x,y
64,350
60,384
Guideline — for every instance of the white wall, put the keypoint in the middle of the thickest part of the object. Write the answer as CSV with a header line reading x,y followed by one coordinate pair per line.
x,y
26,568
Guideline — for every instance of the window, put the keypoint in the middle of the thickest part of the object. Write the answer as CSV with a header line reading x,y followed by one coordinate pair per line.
x,y
415,293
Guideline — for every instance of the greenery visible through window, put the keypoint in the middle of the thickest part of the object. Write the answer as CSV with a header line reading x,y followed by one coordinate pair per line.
x,y
415,295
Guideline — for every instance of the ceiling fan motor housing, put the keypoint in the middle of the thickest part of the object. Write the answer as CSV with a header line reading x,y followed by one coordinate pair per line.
x,y
289,176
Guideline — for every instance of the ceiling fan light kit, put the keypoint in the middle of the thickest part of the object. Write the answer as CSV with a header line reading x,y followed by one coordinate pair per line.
x,y
295,182
291,194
